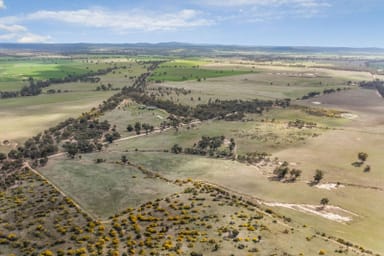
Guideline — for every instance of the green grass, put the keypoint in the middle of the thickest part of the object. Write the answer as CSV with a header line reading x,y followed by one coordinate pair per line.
x,y
182,70
105,188
15,71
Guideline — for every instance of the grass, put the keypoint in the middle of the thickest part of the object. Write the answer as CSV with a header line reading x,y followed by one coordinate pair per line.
x,y
15,71
191,219
262,85
109,188
27,116
182,70
251,181
267,133
130,112
105,188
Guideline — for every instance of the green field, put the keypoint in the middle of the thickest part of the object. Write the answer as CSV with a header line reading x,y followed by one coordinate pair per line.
x,y
15,71
182,70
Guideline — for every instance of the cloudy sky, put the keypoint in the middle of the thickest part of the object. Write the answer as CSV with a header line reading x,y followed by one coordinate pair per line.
x,y
353,23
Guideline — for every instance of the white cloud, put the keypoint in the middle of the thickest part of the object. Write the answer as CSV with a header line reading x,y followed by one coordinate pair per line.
x,y
124,21
118,22
270,3
12,28
262,10
33,38
2,5
18,33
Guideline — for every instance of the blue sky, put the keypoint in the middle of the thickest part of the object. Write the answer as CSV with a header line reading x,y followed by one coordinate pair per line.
x,y
351,23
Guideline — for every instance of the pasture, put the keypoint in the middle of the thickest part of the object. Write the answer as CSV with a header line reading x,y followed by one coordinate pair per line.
x,y
24,117
265,85
182,70
261,133
106,188
27,116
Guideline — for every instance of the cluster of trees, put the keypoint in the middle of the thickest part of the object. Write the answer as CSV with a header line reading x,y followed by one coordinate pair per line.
x,y
137,127
227,108
84,134
169,106
319,175
37,148
168,90
301,124
141,81
253,157
325,91
286,174
7,168
310,95
222,109
111,136
376,84
107,87
362,157
207,146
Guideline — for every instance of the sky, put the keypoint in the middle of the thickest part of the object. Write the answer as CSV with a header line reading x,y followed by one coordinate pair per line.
x,y
342,23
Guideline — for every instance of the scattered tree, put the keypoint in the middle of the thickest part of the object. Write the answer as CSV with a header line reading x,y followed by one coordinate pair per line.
x,y
129,128
137,128
318,176
176,149
362,156
124,159
324,201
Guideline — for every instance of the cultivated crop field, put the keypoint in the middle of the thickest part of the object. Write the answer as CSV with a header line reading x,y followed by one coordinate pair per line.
x,y
166,155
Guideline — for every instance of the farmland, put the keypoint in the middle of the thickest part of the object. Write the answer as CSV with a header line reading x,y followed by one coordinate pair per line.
x,y
165,155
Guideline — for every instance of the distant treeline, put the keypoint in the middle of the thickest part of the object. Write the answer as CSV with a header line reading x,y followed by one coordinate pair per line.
x,y
35,86
325,91
377,84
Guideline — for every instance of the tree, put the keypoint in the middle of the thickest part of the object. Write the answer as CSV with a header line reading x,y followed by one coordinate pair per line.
x,y
129,128
176,149
280,172
318,176
367,168
71,149
137,127
362,156
324,201
295,173
124,159
2,156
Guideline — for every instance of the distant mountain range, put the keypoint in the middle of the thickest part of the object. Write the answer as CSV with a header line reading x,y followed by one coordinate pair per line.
x,y
182,48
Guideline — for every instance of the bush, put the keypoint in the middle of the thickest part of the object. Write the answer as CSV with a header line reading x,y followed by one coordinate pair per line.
x,y
321,252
